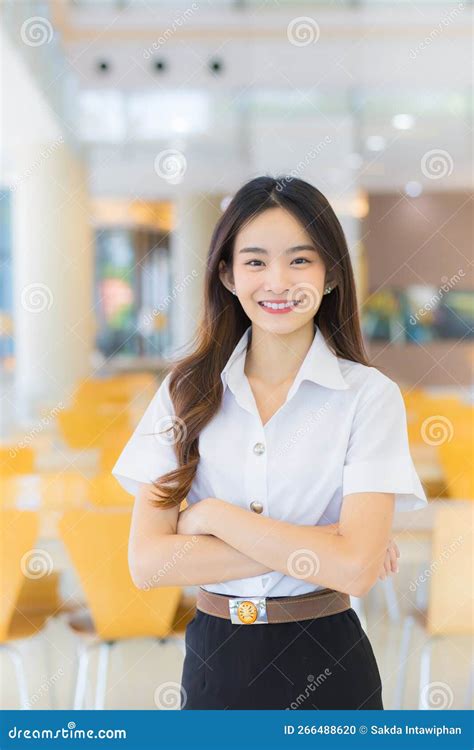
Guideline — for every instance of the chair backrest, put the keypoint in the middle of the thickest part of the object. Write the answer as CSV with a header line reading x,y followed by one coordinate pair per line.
x,y
83,428
18,534
15,460
434,420
457,463
450,606
111,447
105,491
97,543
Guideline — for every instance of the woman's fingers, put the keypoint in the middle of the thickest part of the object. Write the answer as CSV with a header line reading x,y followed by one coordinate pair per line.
x,y
393,559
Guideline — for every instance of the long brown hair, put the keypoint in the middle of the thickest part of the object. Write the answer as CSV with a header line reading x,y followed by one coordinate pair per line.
x,y
195,384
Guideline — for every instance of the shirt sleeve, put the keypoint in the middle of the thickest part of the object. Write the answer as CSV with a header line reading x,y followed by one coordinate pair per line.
x,y
378,457
148,455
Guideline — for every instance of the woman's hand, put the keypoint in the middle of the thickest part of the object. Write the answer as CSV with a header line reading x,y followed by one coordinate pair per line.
x,y
193,519
390,563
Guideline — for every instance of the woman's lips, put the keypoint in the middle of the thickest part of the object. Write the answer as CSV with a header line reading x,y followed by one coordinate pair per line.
x,y
279,310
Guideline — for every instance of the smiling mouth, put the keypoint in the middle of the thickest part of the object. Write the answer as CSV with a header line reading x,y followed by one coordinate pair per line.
x,y
279,305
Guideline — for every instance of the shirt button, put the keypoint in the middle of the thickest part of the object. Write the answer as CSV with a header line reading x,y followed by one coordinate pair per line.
x,y
256,506
259,448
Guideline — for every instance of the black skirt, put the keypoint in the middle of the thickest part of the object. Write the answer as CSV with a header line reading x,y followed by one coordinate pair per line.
x,y
323,663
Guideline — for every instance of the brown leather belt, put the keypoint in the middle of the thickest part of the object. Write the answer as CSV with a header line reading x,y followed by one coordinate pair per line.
x,y
256,610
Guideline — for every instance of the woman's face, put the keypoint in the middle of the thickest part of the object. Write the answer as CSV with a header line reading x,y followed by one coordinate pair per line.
x,y
275,261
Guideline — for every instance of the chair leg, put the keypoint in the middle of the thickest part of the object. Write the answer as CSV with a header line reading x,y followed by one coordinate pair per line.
x,y
391,600
421,595
20,673
102,669
425,671
49,671
81,679
407,630
469,690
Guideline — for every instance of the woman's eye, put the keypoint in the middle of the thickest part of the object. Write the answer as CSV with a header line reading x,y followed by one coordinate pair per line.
x,y
249,263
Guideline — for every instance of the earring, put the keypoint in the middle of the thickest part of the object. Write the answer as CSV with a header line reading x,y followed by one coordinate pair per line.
x,y
233,291
327,290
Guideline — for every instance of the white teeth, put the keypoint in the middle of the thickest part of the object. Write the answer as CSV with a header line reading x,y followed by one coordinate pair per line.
x,y
280,306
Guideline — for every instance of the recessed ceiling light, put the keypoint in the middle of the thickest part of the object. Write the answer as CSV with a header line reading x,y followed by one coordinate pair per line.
x,y
180,125
375,143
413,189
403,121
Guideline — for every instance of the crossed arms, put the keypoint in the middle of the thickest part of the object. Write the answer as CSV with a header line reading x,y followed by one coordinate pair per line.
x,y
216,541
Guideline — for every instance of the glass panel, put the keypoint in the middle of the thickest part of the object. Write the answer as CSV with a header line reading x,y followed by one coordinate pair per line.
x,y
132,284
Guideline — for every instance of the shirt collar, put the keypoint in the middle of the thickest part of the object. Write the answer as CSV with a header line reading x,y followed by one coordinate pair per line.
x,y
320,365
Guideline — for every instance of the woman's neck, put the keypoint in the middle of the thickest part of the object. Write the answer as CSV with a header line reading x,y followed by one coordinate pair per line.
x,y
275,358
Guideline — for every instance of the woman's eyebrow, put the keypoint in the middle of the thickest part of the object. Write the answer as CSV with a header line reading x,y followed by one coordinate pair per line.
x,y
262,251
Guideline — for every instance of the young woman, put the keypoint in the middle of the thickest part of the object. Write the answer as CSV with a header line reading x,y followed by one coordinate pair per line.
x,y
292,453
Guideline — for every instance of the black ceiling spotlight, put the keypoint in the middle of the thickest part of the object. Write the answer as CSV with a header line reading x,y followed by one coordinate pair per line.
x,y
160,65
103,66
216,66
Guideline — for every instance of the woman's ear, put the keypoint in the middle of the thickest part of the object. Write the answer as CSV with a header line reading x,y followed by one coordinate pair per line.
x,y
226,276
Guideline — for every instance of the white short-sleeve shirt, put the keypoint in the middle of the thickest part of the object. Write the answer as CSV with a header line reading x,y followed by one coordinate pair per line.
x,y
342,429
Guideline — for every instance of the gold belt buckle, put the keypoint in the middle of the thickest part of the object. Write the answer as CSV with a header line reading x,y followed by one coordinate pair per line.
x,y
249,610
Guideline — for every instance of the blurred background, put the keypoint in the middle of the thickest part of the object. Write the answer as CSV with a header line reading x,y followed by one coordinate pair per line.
x,y
126,127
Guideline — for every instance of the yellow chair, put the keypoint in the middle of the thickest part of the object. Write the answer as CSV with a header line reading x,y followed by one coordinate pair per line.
x,y
97,543
117,389
450,610
21,565
15,460
433,421
111,447
457,461
84,428
105,491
